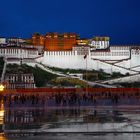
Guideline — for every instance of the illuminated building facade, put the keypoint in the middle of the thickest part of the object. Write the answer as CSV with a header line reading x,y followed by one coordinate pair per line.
x,y
60,42
38,40
55,41
99,42
82,41
67,51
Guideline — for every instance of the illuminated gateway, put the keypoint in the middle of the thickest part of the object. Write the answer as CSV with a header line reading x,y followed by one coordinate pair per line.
x,y
69,51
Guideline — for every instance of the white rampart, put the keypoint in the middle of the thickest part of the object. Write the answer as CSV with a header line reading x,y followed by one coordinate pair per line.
x,y
123,56
13,52
114,53
124,59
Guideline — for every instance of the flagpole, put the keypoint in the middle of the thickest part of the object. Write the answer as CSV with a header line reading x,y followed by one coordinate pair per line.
x,y
86,76
85,57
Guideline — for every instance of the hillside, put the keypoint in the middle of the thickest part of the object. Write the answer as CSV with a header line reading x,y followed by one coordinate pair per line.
x,y
43,78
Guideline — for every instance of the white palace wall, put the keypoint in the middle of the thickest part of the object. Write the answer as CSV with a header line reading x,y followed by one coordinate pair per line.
x,y
65,59
18,53
70,59
128,57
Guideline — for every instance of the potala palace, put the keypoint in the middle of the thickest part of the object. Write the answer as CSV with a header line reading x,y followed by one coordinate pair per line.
x,y
59,50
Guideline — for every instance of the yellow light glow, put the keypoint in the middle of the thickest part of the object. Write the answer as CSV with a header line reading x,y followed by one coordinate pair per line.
x,y
1,113
1,87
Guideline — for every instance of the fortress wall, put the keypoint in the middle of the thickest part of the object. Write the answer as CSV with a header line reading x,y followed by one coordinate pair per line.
x,y
113,53
65,59
72,61
18,53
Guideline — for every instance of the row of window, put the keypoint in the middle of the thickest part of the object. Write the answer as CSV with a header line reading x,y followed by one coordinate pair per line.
x,y
11,51
82,53
13,86
110,53
135,52
60,53
120,48
92,53
16,51
23,78
100,43
32,52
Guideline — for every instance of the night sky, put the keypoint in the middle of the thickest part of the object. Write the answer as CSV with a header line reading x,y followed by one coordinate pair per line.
x,y
119,19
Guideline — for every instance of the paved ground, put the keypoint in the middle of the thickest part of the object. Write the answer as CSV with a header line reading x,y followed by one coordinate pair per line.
x,y
50,121
51,103
77,137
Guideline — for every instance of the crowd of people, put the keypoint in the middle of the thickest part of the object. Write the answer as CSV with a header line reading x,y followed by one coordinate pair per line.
x,y
68,99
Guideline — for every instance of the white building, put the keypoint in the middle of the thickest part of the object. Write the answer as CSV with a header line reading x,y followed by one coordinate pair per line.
x,y
99,42
123,59
20,80
2,41
99,55
18,52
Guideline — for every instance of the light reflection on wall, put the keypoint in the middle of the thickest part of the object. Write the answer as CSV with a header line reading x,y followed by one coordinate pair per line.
x,y
1,106
1,116
2,137
2,113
